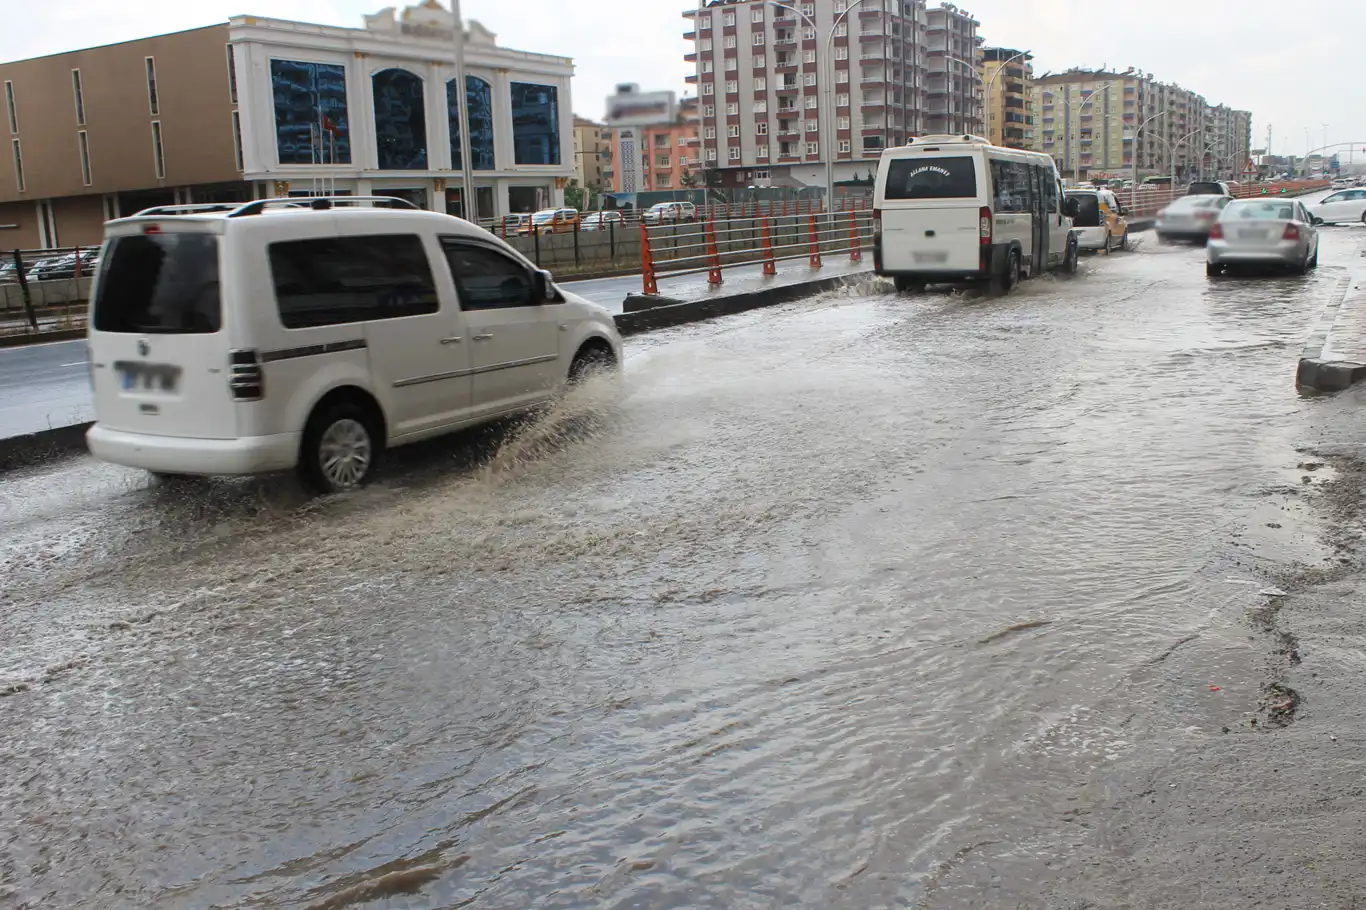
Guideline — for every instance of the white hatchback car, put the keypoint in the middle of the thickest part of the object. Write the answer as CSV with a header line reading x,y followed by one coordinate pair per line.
x,y
1344,206
313,334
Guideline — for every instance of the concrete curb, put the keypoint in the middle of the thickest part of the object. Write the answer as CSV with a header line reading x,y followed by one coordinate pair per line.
x,y
23,339
36,448
1317,372
672,314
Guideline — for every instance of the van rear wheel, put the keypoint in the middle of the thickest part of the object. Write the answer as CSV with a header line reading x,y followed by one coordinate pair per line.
x,y
1009,277
340,448
906,283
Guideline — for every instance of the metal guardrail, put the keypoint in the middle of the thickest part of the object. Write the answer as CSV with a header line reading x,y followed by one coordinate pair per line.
x,y
712,245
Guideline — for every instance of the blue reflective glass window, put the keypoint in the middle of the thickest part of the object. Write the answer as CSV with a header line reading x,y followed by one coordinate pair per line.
x,y
479,100
536,123
400,121
311,126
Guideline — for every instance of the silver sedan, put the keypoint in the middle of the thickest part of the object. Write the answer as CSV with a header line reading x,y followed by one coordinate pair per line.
x,y
1260,232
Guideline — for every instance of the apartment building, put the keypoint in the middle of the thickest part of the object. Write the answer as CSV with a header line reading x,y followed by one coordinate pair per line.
x,y
592,154
257,107
1009,78
653,141
954,87
781,90
1228,142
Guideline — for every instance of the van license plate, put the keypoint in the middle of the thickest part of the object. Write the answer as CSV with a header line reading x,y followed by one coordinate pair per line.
x,y
152,377
931,257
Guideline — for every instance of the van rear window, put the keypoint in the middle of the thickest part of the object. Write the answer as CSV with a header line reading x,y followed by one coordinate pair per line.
x,y
931,178
1089,215
159,284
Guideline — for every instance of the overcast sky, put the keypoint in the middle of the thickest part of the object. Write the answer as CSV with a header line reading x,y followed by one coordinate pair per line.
x,y
1295,66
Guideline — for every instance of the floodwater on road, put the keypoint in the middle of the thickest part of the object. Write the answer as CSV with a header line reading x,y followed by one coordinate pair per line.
x,y
854,602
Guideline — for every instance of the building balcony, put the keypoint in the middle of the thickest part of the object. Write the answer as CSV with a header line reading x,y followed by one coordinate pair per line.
x,y
872,36
690,58
787,89
690,36
691,78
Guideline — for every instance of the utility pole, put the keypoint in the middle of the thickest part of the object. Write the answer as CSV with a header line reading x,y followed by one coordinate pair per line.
x,y
467,208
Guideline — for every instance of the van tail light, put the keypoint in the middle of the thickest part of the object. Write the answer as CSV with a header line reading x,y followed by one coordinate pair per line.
x,y
877,241
248,379
984,226
1291,233
1216,232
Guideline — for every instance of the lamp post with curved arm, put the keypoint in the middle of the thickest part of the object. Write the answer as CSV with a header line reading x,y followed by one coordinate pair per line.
x,y
1095,93
1171,151
972,68
1133,152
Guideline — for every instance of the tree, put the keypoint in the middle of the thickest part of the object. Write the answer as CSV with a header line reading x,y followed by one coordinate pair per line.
x,y
687,180
574,195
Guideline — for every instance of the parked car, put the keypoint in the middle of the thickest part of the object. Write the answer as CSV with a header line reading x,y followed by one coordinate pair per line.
x,y
1343,207
512,223
65,267
1208,188
315,338
599,221
1342,183
1099,223
1278,232
8,272
670,213
553,221
1189,218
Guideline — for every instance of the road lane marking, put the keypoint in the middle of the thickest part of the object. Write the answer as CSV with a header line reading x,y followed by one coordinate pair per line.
x,y
78,363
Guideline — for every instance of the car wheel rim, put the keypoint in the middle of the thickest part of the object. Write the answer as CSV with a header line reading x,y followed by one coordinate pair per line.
x,y
344,453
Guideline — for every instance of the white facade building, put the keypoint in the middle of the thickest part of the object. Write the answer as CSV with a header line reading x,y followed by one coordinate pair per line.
x,y
373,111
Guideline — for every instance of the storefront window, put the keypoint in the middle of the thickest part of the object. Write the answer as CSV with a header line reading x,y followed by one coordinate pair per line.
x,y
479,100
536,123
400,123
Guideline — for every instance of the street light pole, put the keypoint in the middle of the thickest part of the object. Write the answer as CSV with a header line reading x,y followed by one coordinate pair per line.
x,y
972,70
999,69
1171,152
1076,171
1133,152
463,110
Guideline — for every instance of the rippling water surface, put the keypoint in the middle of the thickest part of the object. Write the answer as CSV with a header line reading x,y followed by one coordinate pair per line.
x,y
845,596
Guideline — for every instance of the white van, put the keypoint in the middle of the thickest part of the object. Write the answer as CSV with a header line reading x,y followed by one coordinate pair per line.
x,y
314,333
955,208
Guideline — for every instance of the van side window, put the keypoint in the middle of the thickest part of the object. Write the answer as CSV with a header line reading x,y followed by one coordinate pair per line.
x,y
1011,180
1050,192
485,278
337,280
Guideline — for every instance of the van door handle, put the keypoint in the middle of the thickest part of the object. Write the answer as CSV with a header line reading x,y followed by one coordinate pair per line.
x,y
483,337
454,339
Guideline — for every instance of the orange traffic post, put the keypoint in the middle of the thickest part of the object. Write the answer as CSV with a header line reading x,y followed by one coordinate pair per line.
x,y
815,243
647,261
770,267
714,273
855,245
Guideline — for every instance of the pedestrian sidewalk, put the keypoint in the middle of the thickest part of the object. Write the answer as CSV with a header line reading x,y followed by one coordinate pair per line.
x,y
1334,357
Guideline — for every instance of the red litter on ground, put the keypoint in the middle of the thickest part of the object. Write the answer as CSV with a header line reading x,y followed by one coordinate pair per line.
x,y
1215,689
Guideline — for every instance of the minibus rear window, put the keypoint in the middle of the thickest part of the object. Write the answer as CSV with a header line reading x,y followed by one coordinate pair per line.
x,y
159,284
931,178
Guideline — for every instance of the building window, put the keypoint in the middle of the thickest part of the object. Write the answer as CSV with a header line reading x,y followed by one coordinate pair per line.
x,y
707,66
479,105
756,14
708,110
10,106
152,101
18,165
761,84
761,129
708,88
232,75
711,154
237,139
760,106
842,123
732,63
79,96
812,125
809,9
704,44
842,77
704,23
83,140
400,121
732,86
844,146
310,101
708,132
535,123
842,99
842,30
732,109
762,153
810,78
841,53
809,34
841,6
663,181
158,156
730,42
760,61
809,56
734,153
811,102
812,148
733,131
728,19
759,38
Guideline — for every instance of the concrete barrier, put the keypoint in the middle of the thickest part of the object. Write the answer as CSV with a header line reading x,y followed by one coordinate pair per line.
x,y
36,448
61,292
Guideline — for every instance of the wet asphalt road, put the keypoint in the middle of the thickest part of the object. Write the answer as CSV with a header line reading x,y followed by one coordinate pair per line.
x,y
863,601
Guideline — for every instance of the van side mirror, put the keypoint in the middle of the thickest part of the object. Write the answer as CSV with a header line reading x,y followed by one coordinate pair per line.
x,y
543,287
